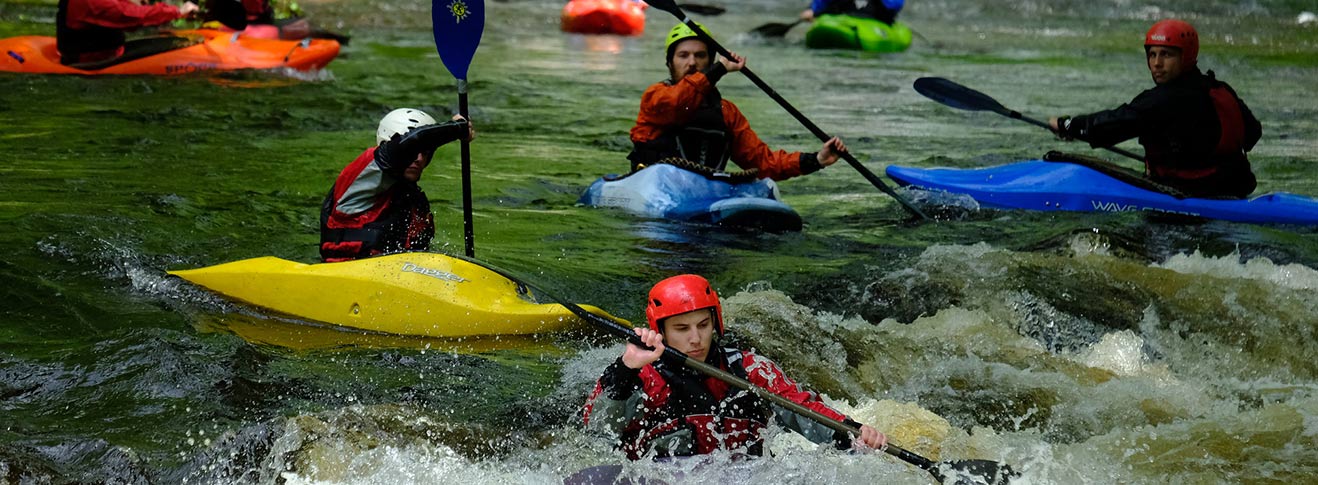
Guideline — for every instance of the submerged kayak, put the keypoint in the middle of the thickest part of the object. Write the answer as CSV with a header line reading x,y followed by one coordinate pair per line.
x,y
669,192
863,33
1061,186
620,17
424,294
214,51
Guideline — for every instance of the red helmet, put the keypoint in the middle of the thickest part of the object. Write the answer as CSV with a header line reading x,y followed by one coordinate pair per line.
x,y
681,294
1178,34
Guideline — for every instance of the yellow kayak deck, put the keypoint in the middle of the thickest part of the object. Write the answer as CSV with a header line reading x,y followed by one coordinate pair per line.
x,y
425,294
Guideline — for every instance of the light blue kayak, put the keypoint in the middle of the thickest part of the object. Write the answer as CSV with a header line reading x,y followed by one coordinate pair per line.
x,y
1061,186
668,192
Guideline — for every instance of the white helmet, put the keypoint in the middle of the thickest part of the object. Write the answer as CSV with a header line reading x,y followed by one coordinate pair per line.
x,y
399,122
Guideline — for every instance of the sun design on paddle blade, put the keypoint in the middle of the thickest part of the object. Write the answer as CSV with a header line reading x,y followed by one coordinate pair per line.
x,y
459,10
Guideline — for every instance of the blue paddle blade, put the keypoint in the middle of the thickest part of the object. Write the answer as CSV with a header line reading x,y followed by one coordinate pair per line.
x,y
458,27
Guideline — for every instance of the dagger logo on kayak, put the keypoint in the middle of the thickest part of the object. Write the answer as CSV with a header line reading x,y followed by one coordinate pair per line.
x,y
459,10
433,273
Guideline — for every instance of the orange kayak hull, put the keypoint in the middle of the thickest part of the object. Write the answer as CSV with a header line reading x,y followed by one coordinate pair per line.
x,y
219,51
618,17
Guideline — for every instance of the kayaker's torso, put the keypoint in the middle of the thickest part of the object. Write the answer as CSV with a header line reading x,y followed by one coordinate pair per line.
x,y
93,30
370,212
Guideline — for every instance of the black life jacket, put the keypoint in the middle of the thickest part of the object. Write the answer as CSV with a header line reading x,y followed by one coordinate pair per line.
x,y
696,421
1227,156
406,224
703,140
72,43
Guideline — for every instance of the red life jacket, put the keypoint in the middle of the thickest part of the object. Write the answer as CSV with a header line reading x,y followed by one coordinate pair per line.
x,y
1230,141
399,221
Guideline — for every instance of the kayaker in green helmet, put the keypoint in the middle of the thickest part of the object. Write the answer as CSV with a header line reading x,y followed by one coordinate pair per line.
x,y
658,409
375,206
882,10
685,118
1195,129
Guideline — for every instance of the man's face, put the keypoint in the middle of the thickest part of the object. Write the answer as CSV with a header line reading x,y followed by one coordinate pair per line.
x,y
689,57
413,172
691,333
1164,63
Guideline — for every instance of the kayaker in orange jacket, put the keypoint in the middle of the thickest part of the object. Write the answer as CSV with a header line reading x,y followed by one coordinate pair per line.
x,y
685,117
660,409
1195,129
92,31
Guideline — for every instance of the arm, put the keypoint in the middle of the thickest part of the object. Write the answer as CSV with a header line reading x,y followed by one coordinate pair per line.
x,y
763,372
619,396
665,105
395,155
748,151
1109,127
117,14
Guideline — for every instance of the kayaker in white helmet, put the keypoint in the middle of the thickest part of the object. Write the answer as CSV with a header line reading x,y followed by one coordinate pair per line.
x,y
1195,129
659,409
375,206
685,118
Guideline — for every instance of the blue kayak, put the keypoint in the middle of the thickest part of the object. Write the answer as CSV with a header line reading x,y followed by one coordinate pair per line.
x,y
1061,186
668,192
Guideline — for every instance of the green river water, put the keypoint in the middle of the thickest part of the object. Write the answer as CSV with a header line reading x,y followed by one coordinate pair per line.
x,y
1079,348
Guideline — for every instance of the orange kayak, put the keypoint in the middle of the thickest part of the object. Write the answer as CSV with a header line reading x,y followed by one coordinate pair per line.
x,y
218,51
620,17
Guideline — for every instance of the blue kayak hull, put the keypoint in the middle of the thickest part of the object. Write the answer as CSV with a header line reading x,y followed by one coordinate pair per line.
x,y
1060,186
669,192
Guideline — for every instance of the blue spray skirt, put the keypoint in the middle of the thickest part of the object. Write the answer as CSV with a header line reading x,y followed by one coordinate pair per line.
x,y
669,192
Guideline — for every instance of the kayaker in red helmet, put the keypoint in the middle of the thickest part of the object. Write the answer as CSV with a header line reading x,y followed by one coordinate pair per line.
x,y
375,206
91,32
685,118
1195,129
662,410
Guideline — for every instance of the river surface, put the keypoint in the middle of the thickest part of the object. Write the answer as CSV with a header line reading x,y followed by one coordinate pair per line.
x,y
1078,348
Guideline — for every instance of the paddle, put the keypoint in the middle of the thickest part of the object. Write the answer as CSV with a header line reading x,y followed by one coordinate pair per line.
x,y
957,96
458,26
670,7
774,29
958,472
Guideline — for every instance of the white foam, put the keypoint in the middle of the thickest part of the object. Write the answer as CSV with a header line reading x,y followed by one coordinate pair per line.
x,y
1293,276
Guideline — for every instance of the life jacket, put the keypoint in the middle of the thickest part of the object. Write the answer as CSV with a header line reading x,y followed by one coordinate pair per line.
x,y
703,140
400,221
701,415
1230,146
73,43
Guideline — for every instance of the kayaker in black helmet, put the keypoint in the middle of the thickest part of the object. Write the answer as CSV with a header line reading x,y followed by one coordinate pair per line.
x,y
685,118
90,33
882,10
659,409
375,206
1195,129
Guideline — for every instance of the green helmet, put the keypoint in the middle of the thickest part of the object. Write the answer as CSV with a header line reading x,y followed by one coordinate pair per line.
x,y
680,33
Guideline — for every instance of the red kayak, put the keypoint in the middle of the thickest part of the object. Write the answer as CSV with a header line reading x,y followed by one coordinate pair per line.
x,y
619,17
213,51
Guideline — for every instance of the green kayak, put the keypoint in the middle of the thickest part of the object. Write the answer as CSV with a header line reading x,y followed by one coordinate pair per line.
x,y
864,33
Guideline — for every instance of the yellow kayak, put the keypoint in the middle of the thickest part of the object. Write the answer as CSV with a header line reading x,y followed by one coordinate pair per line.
x,y
425,294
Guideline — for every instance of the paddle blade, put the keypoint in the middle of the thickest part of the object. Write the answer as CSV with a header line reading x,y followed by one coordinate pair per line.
x,y
957,96
458,27
668,6
774,29
974,472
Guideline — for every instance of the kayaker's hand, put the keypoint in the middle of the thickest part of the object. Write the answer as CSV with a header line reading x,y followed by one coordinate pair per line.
x,y
635,357
870,438
1056,124
188,9
735,64
832,150
471,128
808,15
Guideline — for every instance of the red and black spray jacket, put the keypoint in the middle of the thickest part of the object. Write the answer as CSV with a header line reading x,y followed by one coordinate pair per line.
x,y
664,410
1195,131
93,30
372,209
688,119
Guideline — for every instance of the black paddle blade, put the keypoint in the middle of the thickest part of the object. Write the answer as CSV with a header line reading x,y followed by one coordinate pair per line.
x,y
957,96
974,472
231,13
773,29
668,6
710,10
